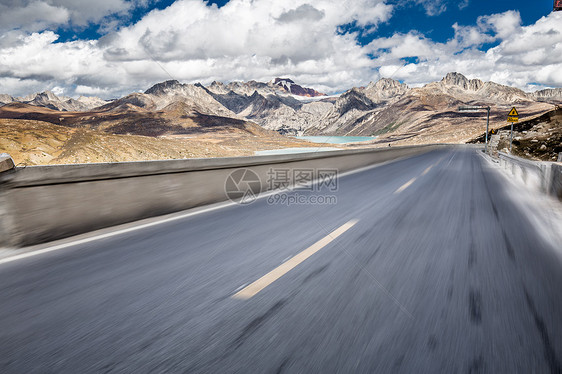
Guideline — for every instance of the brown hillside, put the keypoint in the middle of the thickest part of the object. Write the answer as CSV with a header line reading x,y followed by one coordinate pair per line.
x,y
32,142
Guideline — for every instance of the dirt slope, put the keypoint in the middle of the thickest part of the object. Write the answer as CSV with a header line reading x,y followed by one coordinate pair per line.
x,y
32,142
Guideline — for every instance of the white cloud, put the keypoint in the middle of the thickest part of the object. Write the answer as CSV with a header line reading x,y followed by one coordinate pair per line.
x,y
92,91
192,30
59,91
83,12
303,13
524,55
33,16
437,7
488,29
37,55
16,86
191,41
433,7
503,24
36,15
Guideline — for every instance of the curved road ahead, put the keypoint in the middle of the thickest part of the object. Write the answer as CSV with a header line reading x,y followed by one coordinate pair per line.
x,y
423,265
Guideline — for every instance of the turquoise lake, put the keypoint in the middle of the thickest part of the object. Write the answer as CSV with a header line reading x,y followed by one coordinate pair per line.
x,y
284,151
336,139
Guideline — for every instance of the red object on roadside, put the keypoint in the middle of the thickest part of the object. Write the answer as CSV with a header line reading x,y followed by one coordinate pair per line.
x,y
557,5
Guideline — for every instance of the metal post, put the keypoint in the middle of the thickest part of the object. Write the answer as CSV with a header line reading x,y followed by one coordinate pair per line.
x,y
477,108
511,137
487,125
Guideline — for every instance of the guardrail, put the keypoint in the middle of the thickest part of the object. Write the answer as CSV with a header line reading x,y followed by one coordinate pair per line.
x,y
44,203
545,177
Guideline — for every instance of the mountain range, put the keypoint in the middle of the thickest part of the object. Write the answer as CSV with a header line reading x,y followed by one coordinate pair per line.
x,y
49,100
388,109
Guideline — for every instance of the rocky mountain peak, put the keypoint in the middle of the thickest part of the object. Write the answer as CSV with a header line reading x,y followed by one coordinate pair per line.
x,y
241,88
291,87
49,99
5,99
548,94
164,87
48,95
387,84
385,88
459,80
283,82
218,88
217,85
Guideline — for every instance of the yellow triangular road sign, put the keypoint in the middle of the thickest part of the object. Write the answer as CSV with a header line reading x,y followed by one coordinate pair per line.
x,y
513,113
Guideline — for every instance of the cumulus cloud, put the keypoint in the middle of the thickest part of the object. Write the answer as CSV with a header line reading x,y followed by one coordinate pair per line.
x,y
433,7
503,25
192,30
83,12
436,7
193,41
488,29
17,86
523,54
92,91
36,15
32,16
305,12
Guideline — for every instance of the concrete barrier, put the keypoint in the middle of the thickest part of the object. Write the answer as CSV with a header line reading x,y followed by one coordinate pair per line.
x,y
44,203
556,180
545,177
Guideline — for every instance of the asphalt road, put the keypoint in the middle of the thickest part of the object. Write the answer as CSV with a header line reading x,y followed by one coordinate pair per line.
x,y
434,269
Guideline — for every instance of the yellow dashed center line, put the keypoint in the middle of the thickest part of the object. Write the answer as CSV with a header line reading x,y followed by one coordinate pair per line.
x,y
427,170
252,289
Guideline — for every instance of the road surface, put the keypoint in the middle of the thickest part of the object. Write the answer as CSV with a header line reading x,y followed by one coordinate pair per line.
x,y
423,265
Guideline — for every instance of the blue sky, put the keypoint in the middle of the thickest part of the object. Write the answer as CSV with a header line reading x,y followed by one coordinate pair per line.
x,y
112,47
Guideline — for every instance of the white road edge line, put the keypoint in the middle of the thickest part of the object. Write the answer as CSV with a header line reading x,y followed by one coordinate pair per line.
x,y
106,235
451,159
255,287
218,206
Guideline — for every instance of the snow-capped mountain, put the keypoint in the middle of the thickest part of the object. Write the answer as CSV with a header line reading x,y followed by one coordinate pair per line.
x,y
385,106
293,88
48,99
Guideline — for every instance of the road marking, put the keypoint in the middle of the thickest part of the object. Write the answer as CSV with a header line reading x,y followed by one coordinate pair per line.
x,y
251,290
405,185
106,235
427,170
191,212
451,159
174,217
242,286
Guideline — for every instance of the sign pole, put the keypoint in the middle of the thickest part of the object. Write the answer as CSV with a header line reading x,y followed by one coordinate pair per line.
x,y
487,125
477,108
511,138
